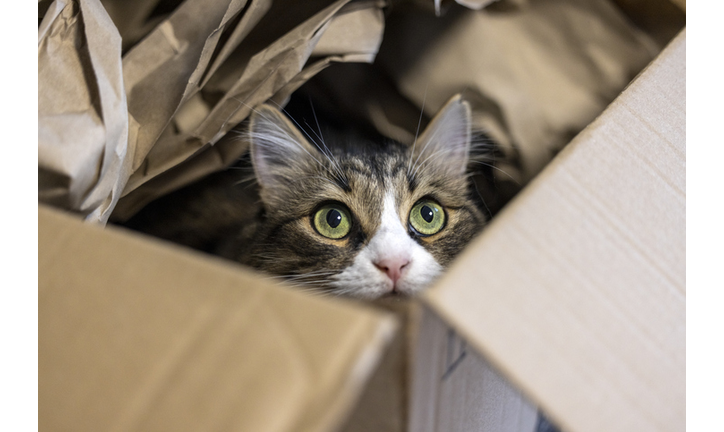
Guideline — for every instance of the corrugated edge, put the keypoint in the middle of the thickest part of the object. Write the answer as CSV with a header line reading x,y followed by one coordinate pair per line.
x,y
445,299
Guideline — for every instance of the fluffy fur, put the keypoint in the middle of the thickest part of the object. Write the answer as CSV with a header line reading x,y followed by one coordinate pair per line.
x,y
267,222
379,183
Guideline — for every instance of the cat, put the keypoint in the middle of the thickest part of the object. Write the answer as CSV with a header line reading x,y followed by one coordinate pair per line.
x,y
340,213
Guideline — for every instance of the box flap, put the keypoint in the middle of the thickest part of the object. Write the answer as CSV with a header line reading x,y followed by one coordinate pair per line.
x,y
136,335
577,291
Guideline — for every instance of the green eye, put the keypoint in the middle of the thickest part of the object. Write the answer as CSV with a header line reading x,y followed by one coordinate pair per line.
x,y
332,221
427,217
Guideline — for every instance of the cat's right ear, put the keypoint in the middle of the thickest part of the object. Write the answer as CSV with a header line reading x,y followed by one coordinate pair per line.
x,y
278,149
444,146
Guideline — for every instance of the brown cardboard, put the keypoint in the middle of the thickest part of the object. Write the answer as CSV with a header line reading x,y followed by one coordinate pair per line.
x,y
383,405
577,290
454,389
575,293
135,335
431,379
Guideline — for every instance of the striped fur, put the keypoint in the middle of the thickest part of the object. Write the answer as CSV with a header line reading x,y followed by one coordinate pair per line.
x,y
379,183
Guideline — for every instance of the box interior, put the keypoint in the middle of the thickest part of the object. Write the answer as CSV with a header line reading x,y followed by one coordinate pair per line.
x,y
575,293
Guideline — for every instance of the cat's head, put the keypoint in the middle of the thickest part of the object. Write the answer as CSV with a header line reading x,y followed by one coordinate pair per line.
x,y
357,218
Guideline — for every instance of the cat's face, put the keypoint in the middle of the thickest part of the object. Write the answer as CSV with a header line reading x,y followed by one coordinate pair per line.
x,y
359,220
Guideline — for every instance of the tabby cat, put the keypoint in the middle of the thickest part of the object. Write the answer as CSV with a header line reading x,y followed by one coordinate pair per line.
x,y
344,215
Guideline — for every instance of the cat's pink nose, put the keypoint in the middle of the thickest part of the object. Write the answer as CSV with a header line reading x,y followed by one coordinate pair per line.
x,y
393,267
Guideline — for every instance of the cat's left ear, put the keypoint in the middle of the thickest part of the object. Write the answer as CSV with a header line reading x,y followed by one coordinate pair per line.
x,y
445,143
279,152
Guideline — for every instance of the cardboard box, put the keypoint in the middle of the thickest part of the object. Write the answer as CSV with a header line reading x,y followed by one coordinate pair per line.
x,y
575,294
577,291
136,335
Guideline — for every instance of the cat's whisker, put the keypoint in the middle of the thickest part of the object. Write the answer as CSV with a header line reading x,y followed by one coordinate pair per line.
x,y
338,173
429,140
245,182
343,292
289,158
434,155
439,152
248,179
310,278
327,154
330,157
265,258
477,144
286,138
318,288
314,273
318,292
321,138
311,288
311,285
417,131
285,133
475,185
497,168
314,113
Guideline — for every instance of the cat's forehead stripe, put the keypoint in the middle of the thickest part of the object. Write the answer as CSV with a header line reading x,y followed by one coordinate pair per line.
x,y
343,183
411,182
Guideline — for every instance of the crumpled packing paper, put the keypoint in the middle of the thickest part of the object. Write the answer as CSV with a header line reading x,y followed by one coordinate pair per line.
x,y
124,120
